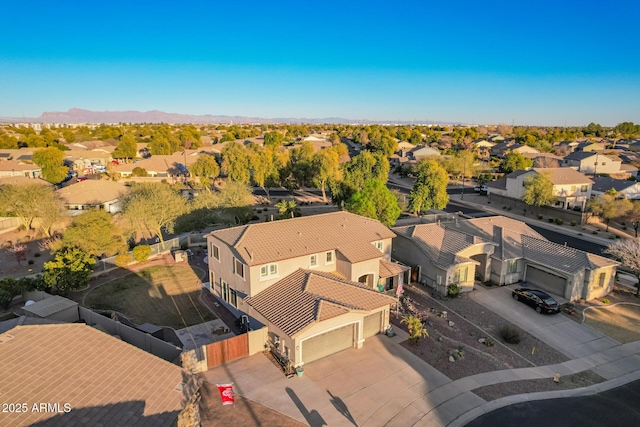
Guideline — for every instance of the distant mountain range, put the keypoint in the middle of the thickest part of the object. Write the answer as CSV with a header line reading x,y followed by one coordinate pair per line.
x,y
77,115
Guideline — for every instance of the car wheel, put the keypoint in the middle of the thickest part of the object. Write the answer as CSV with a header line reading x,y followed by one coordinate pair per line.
x,y
515,297
538,310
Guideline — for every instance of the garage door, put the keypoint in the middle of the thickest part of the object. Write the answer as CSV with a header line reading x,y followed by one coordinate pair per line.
x,y
537,278
327,343
372,324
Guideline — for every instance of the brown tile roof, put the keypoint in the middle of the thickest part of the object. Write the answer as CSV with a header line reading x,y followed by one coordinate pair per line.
x,y
105,381
306,297
92,192
17,165
350,234
390,269
19,180
564,176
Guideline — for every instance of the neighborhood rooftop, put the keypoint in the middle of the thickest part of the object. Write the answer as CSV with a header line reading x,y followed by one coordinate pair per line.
x,y
306,297
257,244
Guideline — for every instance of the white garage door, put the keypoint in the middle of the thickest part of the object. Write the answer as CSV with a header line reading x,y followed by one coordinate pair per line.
x,y
327,343
372,324
540,279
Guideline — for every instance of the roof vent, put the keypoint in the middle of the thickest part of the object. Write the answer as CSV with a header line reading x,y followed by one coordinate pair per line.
x,y
4,338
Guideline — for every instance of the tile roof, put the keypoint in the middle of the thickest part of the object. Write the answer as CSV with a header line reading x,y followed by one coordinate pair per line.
x,y
500,183
49,306
605,184
390,269
563,176
24,320
559,257
580,155
92,192
306,297
17,165
105,381
350,234
19,180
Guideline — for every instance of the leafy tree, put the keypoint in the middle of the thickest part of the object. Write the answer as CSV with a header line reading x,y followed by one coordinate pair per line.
x,y
538,190
138,171
628,252
153,207
8,142
356,172
51,160
273,138
94,233
287,209
430,187
235,162
24,200
264,165
325,164
206,168
415,327
190,137
633,216
9,288
515,161
300,163
375,201
127,148
141,253
608,206
50,210
71,268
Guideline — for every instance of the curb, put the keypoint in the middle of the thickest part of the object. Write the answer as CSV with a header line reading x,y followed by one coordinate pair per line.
x,y
543,395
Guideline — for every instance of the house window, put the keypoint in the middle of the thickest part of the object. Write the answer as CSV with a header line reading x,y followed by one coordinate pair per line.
x,y
233,298
238,268
512,266
313,260
584,188
573,188
215,252
225,289
269,270
601,278
329,258
228,294
378,245
460,276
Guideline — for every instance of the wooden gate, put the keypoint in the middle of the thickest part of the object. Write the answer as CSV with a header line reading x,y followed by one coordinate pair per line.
x,y
225,351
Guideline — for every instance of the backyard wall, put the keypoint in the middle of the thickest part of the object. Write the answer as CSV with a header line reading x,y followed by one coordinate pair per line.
x,y
546,211
143,341
8,224
108,264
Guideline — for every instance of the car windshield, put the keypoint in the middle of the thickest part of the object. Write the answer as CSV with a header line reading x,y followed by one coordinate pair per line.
x,y
549,301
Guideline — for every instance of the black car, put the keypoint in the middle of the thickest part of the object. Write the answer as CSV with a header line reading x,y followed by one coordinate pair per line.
x,y
539,300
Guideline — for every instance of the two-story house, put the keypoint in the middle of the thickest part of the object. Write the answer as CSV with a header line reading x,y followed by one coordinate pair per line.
x,y
592,162
571,188
504,148
319,283
502,251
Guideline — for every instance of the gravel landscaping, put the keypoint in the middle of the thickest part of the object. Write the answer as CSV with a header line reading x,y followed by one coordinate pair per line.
x,y
459,342
496,391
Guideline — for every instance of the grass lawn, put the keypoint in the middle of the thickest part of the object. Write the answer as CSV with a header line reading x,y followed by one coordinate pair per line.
x,y
619,322
165,295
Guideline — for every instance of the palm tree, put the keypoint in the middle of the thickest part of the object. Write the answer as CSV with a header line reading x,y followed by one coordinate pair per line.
x,y
287,209
416,330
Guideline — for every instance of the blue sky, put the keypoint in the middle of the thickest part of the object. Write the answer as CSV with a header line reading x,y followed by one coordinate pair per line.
x,y
527,62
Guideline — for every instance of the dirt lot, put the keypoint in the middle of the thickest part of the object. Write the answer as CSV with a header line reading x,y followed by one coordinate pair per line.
x,y
620,322
165,295
496,391
461,340
9,264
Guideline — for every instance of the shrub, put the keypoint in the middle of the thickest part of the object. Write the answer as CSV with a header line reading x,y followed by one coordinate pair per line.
x,y
488,342
606,301
37,255
539,216
551,219
510,334
453,290
415,327
613,236
141,253
594,232
30,262
123,260
574,223
138,171
559,221
255,218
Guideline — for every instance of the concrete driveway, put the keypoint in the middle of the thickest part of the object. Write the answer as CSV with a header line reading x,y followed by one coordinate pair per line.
x,y
572,339
381,384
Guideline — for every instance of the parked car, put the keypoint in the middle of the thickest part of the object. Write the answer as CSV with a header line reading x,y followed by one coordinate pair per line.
x,y
537,299
81,178
480,188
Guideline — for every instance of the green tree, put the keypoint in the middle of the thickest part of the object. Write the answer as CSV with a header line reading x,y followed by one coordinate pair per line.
x,y
206,168
325,166
301,163
430,187
538,190
24,200
264,166
190,137
8,142
375,201
415,327
95,233
360,169
633,216
287,209
127,148
153,207
515,161
71,268
273,138
235,162
608,206
51,160
49,211
141,253
138,171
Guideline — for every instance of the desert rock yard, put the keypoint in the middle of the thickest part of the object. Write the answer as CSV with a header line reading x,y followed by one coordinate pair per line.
x,y
32,259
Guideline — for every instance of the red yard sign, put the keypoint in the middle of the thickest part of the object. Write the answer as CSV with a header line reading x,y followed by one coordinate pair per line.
x,y
226,394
